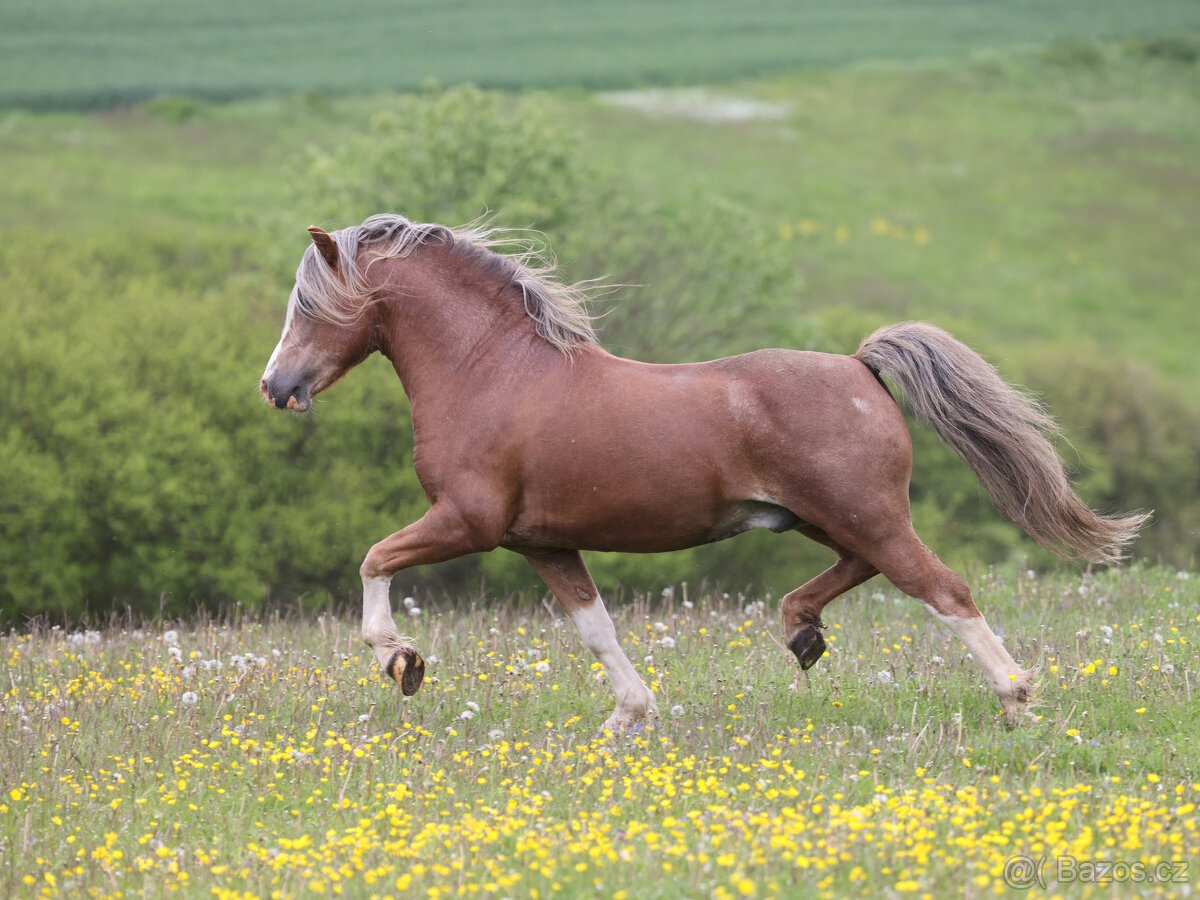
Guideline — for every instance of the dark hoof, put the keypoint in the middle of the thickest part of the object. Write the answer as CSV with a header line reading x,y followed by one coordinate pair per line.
x,y
407,669
808,645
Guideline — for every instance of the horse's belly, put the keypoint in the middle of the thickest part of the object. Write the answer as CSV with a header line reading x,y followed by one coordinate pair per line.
x,y
640,529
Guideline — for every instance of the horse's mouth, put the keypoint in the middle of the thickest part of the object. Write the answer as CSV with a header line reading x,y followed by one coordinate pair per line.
x,y
296,403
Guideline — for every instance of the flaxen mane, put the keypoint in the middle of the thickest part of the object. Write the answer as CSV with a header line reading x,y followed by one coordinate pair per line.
x,y
558,308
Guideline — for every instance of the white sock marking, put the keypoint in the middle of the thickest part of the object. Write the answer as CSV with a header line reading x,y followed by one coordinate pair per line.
x,y
600,636
999,668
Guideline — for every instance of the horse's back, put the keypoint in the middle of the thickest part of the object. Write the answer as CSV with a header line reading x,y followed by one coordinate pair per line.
x,y
623,455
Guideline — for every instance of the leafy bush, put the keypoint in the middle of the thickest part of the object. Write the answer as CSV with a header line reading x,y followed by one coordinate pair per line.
x,y
1138,443
449,156
143,470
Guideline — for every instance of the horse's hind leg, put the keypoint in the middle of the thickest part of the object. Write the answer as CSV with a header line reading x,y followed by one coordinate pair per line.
x,y
913,568
567,577
801,609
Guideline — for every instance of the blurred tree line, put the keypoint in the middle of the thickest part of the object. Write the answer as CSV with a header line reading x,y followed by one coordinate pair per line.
x,y
142,470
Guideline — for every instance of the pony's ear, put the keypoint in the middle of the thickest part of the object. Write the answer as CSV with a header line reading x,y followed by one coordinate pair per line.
x,y
325,244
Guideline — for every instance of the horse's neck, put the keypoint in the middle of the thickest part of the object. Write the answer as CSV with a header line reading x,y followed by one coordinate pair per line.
x,y
445,333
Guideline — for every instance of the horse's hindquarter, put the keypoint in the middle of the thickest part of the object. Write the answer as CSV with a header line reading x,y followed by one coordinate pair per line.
x,y
629,456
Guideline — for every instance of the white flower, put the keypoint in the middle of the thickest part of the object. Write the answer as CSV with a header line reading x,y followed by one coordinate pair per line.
x,y
1107,630
171,637
472,706
431,659
677,710
1030,574
175,654
466,714
667,642
495,734
543,666
660,627
688,604
884,677
409,602
937,660
189,698
1182,576
414,610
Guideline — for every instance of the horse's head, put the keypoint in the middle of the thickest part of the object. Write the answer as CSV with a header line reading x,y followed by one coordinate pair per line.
x,y
315,349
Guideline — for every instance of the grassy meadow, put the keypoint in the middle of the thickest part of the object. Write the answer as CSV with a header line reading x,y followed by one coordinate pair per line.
x,y
102,53
186,706
240,757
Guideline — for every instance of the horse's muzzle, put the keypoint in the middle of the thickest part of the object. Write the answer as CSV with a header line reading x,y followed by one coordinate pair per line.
x,y
295,398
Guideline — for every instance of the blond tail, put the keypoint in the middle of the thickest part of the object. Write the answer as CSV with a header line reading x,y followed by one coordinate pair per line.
x,y
1001,434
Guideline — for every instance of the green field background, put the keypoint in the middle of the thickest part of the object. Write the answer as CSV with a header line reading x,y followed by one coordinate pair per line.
x,y
1023,174
103,52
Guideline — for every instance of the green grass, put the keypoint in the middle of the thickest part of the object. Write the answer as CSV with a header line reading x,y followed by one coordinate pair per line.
x,y
1054,205
243,757
99,53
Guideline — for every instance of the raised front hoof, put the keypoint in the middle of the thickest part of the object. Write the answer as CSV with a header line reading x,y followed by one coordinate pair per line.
x,y
407,669
808,645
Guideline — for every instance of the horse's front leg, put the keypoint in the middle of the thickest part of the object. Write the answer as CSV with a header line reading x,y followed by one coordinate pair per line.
x,y
439,535
569,580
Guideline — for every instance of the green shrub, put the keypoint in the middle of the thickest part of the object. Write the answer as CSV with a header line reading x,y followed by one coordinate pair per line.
x,y
1073,53
142,468
1137,443
449,156
1177,49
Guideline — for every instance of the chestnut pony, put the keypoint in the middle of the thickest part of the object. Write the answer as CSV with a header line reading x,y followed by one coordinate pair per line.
x,y
529,436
